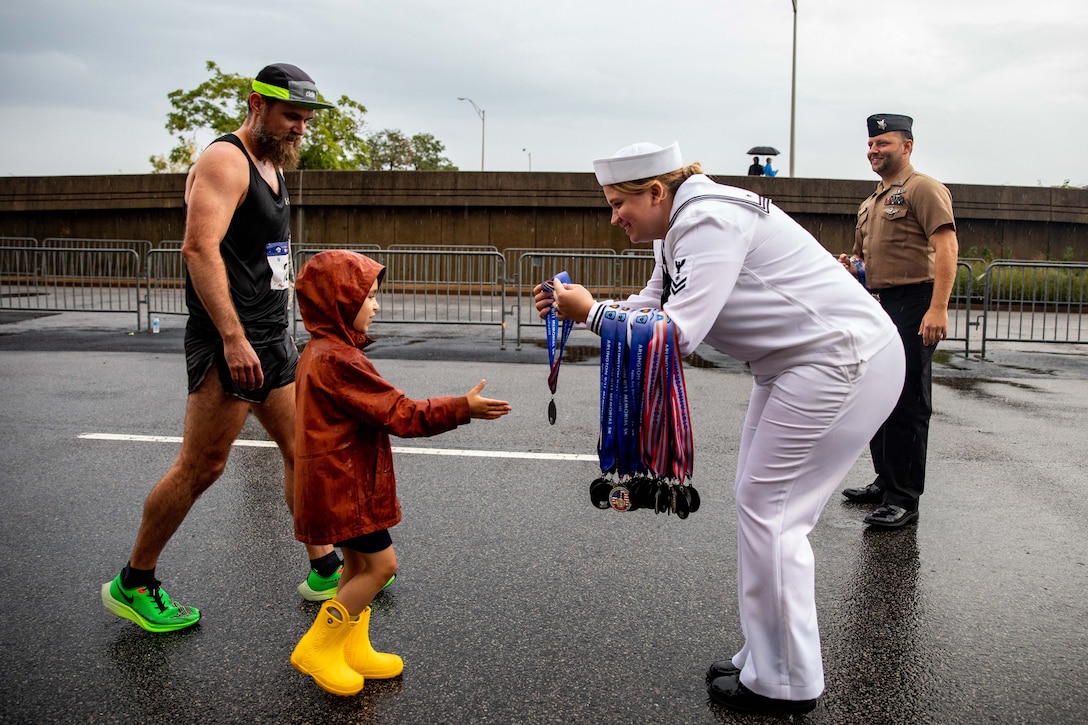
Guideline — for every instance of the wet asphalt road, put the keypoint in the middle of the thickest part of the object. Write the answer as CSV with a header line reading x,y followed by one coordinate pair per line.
x,y
517,601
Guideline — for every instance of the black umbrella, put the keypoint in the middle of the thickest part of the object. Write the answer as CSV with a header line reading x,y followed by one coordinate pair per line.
x,y
763,151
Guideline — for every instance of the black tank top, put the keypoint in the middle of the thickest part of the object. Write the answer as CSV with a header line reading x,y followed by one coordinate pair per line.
x,y
257,243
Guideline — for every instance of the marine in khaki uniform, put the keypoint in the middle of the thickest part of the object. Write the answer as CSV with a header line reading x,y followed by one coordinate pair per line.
x,y
905,252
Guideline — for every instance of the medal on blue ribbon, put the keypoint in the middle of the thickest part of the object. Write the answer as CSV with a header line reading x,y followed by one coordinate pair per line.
x,y
645,446
613,345
557,340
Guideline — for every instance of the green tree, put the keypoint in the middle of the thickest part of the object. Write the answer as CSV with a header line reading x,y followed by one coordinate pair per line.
x,y
391,150
427,154
333,140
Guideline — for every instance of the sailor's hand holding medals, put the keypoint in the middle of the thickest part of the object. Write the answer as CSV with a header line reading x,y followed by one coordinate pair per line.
x,y
645,446
547,304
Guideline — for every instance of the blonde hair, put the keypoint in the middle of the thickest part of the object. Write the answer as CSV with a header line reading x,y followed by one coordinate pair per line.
x,y
670,181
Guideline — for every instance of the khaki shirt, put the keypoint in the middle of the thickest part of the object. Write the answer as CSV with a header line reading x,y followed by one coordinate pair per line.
x,y
894,225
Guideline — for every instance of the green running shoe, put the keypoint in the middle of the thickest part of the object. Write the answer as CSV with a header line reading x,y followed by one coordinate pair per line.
x,y
386,585
319,588
149,607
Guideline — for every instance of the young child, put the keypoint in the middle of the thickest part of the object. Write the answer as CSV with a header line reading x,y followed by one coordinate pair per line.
x,y
345,491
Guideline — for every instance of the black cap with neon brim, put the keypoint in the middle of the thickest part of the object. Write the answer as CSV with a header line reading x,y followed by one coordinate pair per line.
x,y
289,83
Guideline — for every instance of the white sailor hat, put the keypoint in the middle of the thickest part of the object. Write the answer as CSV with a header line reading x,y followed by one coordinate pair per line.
x,y
638,161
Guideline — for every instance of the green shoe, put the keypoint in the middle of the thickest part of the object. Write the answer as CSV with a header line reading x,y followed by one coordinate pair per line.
x,y
319,588
149,607
386,585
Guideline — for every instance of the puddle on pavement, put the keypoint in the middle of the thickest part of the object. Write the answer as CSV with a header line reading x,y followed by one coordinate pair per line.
x,y
992,392
970,385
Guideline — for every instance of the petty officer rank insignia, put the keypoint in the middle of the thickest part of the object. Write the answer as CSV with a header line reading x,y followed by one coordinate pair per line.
x,y
672,284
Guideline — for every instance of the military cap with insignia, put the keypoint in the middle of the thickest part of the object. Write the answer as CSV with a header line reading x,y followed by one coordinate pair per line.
x,y
883,122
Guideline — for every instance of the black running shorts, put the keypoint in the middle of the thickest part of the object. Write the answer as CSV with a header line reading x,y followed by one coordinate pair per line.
x,y
274,347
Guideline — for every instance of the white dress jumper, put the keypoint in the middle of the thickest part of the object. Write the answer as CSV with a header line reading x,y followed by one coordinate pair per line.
x,y
737,273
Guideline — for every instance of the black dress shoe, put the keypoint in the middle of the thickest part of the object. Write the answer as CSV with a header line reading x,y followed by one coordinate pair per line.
x,y
866,494
721,668
730,693
891,517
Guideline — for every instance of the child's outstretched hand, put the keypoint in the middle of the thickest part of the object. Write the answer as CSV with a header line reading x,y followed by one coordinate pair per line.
x,y
486,408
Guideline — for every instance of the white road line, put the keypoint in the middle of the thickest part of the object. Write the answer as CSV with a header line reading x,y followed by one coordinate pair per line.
x,y
396,449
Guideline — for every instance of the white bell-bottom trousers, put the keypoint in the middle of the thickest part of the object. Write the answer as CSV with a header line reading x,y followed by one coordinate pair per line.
x,y
804,429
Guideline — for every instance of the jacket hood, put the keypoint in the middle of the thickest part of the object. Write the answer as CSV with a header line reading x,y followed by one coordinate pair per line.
x,y
330,289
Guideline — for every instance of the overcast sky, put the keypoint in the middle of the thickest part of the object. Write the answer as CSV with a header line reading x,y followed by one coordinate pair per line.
x,y
998,89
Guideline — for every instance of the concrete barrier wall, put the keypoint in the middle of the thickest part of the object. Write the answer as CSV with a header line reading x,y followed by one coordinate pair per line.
x,y
541,210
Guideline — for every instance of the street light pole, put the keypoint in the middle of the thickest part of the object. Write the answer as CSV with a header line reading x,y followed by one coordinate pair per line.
x,y
530,158
793,88
483,127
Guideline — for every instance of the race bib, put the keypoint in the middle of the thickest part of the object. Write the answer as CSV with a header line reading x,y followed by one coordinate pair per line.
x,y
279,256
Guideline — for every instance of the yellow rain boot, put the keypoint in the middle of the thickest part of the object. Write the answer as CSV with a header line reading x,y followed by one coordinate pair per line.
x,y
320,652
362,658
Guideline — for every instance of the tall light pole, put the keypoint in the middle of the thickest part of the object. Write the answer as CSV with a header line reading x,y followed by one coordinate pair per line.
x,y
530,158
483,127
793,88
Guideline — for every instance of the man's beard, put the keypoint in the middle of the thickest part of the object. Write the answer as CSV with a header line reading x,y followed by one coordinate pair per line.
x,y
274,149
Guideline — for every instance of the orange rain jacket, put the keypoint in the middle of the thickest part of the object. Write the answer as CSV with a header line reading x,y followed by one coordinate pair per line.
x,y
344,482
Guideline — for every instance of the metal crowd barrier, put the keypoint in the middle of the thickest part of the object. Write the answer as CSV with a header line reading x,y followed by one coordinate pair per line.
x,y
439,248
1009,301
70,279
1034,302
164,282
309,249
614,276
603,272
436,286
513,256
140,246
18,242
960,302
300,254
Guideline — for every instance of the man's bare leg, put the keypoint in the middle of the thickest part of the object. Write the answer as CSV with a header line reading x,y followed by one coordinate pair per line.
x,y
277,415
213,421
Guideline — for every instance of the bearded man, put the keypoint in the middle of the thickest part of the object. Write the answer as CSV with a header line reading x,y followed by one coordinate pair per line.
x,y
238,350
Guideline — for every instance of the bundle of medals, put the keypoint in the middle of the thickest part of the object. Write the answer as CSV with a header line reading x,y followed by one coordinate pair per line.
x,y
645,448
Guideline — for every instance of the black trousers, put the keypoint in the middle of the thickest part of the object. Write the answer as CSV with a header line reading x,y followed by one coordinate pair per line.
x,y
899,446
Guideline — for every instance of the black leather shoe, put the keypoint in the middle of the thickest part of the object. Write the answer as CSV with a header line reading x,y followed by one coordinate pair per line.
x,y
891,517
866,494
730,693
721,668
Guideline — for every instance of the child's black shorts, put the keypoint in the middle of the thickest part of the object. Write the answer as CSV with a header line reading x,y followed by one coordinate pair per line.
x,y
370,543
